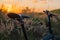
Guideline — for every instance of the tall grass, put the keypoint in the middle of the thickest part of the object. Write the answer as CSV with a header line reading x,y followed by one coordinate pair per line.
x,y
11,31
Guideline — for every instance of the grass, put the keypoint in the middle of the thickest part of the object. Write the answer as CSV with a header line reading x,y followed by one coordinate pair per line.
x,y
18,34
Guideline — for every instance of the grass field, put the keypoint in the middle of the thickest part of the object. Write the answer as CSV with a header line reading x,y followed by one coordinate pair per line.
x,y
32,26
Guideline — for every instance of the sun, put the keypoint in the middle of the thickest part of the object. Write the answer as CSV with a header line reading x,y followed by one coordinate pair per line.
x,y
12,8
9,8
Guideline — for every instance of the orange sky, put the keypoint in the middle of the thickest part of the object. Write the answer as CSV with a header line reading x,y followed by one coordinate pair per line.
x,y
38,5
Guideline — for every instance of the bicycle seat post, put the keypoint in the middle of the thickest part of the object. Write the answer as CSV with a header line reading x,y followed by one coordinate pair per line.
x,y
19,18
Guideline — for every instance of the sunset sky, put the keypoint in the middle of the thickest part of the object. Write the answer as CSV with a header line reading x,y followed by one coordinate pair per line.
x,y
37,4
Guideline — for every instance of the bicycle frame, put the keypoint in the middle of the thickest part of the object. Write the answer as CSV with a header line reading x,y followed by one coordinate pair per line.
x,y
51,35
